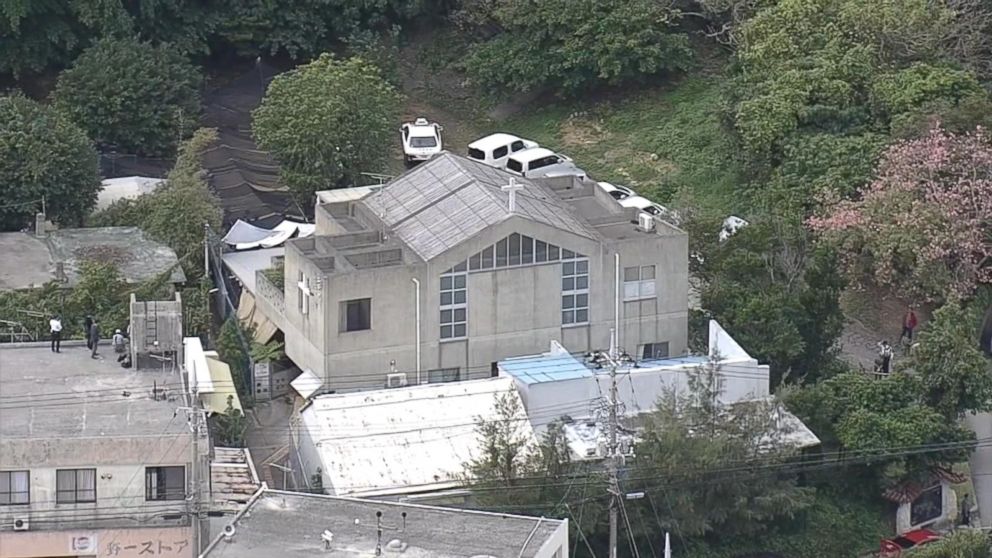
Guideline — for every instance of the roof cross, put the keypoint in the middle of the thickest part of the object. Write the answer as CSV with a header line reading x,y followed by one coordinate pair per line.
x,y
512,188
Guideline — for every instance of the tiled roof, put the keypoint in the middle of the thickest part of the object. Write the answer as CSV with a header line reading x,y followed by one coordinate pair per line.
x,y
449,199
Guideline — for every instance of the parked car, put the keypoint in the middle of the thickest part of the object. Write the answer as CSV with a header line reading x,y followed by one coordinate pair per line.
x,y
649,206
538,162
898,547
617,192
421,140
494,149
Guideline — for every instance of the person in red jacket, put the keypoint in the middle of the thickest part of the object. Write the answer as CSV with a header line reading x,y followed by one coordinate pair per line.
x,y
909,322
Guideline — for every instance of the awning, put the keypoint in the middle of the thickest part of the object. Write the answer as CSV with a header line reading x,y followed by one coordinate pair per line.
x,y
306,384
245,236
223,387
265,329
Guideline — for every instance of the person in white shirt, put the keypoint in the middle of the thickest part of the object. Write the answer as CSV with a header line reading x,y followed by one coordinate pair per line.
x,y
55,324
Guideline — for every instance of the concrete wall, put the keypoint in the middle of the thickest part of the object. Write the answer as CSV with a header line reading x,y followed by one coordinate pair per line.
x,y
120,479
511,311
162,542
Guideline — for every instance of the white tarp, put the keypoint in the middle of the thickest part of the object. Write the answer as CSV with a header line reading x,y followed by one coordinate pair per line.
x,y
127,187
245,236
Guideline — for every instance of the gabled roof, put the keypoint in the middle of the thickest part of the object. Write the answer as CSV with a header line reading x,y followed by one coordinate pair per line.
x,y
450,199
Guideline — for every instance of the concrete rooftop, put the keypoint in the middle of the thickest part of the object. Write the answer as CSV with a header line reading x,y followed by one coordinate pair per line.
x,y
68,394
30,261
290,524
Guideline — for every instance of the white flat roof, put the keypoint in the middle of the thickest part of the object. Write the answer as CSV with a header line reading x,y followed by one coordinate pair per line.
x,y
493,140
403,440
340,195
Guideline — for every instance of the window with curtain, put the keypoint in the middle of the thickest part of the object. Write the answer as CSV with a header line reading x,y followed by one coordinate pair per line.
x,y
638,282
15,487
165,483
74,486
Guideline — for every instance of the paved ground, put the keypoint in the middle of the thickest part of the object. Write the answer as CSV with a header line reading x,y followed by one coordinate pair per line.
x,y
267,438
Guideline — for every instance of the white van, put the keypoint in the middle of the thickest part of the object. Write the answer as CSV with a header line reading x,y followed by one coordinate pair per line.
x,y
539,162
494,149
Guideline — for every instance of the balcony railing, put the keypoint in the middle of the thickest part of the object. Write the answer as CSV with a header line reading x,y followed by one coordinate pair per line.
x,y
269,292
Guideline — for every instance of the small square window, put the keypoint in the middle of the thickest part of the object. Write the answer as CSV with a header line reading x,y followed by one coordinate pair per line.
x,y
357,314
568,268
567,254
631,273
581,316
582,266
487,258
475,262
582,282
540,251
567,302
74,486
568,317
446,316
446,332
460,330
460,296
647,272
460,281
459,314
446,282
582,300
552,253
568,283
446,298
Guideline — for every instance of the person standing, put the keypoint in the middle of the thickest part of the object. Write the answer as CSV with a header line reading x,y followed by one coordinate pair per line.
x,y
55,325
119,344
966,510
87,326
885,357
909,323
94,338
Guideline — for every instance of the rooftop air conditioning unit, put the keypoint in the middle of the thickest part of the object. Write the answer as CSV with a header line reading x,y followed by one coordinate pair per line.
x,y
645,222
396,380
21,524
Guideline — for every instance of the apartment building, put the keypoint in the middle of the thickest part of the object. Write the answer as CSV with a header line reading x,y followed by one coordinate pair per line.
x,y
455,265
94,459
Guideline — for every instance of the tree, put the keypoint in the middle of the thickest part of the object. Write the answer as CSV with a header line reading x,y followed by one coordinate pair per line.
x,y
176,212
963,543
512,473
232,426
131,95
39,34
923,227
887,421
955,375
43,156
776,293
102,293
718,466
326,122
570,45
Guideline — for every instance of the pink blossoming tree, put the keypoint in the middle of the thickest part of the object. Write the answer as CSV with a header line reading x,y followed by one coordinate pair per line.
x,y
923,227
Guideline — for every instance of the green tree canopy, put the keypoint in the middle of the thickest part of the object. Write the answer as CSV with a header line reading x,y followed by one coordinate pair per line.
x,y
131,95
176,212
43,156
714,465
963,543
326,122
568,45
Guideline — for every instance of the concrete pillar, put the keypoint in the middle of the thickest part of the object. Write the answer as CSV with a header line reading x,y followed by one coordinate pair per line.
x,y
39,225
981,465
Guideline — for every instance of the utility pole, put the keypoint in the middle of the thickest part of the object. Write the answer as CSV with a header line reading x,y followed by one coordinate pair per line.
x,y
196,422
614,453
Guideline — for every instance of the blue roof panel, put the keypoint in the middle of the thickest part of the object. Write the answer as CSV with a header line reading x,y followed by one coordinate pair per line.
x,y
545,368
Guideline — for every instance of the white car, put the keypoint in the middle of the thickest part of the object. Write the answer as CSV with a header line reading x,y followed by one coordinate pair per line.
x,y
539,162
616,192
494,149
648,206
730,227
421,140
